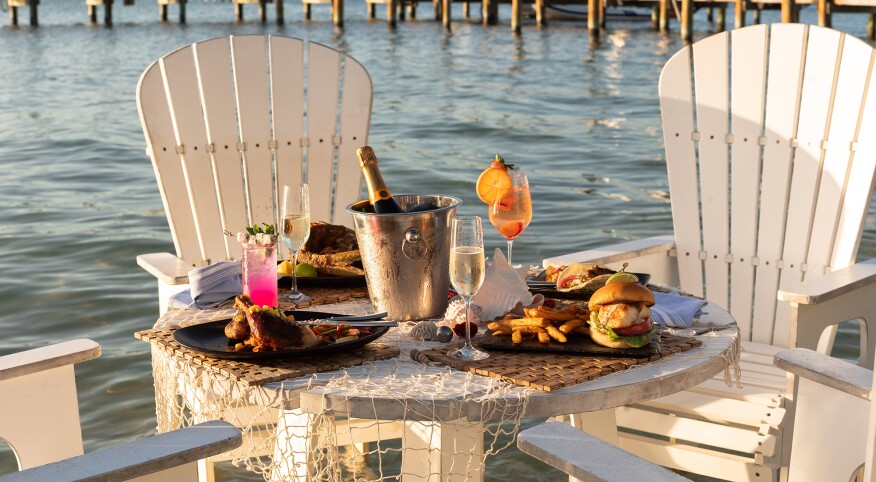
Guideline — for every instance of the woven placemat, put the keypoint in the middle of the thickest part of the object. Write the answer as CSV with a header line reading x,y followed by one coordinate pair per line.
x,y
550,371
267,370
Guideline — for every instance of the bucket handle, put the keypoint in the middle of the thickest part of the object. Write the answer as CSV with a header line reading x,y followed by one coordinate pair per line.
x,y
412,247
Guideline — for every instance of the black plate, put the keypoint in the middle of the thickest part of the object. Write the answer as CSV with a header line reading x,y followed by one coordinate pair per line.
x,y
210,339
324,281
552,291
577,344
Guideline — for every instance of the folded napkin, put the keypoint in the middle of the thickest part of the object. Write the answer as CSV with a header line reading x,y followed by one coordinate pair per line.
x,y
674,310
503,290
210,286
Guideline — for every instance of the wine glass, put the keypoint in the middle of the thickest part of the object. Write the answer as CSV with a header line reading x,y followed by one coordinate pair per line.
x,y
467,273
511,213
296,229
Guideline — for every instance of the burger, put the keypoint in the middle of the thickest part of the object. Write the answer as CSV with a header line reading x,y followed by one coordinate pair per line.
x,y
620,315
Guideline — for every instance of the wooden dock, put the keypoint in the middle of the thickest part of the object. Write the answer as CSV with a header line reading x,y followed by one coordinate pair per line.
x,y
400,9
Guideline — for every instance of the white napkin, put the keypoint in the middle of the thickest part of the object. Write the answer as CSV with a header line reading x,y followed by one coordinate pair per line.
x,y
210,286
503,290
674,310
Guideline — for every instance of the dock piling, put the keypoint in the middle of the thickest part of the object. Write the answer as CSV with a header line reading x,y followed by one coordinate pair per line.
x,y
337,12
445,12
871,26
720,20
281,14
392,13
13,16
593,17
515,16
539,13
686,20
824,13
664,15
755,17
739,14
788,11
32,7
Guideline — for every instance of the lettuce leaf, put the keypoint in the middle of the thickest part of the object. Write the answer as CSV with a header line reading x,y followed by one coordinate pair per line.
x,y
637,341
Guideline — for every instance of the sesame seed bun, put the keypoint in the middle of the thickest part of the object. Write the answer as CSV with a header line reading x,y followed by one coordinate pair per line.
x,y
630,293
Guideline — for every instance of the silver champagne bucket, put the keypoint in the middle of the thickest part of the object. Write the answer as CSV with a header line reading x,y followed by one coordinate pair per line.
x,y
406,256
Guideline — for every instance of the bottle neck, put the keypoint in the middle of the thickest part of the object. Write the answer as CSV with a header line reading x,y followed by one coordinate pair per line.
x,y
377,190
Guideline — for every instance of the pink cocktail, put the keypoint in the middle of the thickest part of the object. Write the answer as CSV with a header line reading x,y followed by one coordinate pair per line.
x,y
260,273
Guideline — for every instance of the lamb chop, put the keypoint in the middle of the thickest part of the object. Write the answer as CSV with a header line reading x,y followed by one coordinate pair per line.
x,y
270,331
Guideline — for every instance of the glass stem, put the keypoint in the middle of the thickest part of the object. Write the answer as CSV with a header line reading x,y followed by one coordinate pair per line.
x,y
294,275
467,325
510,241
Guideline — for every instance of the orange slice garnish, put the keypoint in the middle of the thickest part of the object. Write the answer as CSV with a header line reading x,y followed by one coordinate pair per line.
x,y
493,184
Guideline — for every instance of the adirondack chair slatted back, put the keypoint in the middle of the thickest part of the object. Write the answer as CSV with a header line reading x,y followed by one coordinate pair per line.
x,y
769,134
226,128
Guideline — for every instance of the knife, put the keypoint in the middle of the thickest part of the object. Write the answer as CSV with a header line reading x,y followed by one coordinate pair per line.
x,y
373,319
540,284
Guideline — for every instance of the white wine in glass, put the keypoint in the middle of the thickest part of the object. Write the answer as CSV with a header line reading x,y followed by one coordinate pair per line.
x,y
296,229
467,274
467,270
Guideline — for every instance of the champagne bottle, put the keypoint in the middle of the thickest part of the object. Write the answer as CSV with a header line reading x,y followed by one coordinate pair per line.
x,y
378,194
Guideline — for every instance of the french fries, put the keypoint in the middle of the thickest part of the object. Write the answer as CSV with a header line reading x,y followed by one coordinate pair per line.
x,y
546,324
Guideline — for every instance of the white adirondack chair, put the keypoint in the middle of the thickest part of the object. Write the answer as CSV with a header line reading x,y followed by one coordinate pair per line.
x,y
227,125
771,159
39,418
833,401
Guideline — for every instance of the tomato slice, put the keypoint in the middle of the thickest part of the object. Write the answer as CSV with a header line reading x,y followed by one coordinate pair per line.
x,y
638,329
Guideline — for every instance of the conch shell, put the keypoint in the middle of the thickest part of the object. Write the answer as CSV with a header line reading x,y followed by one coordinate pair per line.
x,y
580,276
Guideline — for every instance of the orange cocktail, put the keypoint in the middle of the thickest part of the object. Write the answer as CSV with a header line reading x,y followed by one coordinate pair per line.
x,y
511,212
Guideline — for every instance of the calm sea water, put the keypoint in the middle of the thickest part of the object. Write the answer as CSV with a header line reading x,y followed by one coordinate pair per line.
x,y
79,199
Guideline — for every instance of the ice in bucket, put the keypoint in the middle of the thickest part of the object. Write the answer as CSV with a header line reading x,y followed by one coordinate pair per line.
x,y
406,256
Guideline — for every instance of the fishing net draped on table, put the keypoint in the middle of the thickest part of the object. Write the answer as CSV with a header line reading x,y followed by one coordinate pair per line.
x,y
320,437
373,421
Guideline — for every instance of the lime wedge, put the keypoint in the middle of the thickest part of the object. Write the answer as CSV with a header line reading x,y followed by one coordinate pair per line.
x,y
304,270
622,277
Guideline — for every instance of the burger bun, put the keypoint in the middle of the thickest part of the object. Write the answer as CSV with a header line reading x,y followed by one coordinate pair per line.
x,y
603,339
629,293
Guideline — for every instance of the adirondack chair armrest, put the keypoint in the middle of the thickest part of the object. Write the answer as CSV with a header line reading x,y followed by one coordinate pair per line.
x,y
141,457
166,267
616,253
831,285
587,458
825,370
45,358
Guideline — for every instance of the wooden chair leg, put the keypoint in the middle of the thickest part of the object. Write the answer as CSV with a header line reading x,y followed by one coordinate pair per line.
x,y
601,424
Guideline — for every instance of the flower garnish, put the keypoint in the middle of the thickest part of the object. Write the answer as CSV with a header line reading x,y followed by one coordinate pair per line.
x,y
259,234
